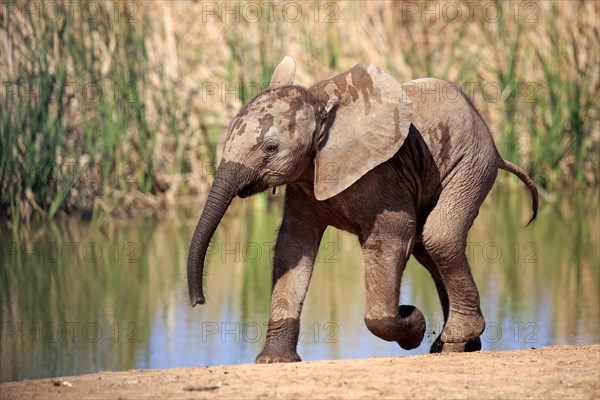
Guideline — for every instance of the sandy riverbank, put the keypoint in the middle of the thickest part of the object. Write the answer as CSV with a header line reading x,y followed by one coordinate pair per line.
x,y
550,373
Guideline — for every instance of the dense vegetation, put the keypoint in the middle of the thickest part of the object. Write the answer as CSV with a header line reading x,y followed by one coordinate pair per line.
x,y
117,107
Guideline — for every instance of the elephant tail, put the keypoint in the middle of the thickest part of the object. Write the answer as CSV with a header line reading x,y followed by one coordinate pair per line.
x,y
510,167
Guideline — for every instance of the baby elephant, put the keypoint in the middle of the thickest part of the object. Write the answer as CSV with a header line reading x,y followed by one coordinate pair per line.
x,y
404,167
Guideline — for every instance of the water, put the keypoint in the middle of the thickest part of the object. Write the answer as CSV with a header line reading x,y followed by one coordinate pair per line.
x,y
79,297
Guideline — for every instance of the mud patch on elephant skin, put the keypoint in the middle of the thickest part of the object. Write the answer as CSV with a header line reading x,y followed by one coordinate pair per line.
x,y
345,86
265,123
232,127
238,121
442,136
337,93
295,105
362,79
244,111
397,129
441,143
353,93
239,128
348,82
242,129
341,82
351,89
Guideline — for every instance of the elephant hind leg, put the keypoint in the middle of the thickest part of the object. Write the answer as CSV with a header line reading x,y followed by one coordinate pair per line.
x,y
441,250
425,259
463,319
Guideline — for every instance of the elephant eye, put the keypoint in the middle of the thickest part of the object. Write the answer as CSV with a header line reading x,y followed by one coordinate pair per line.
x,y
271,147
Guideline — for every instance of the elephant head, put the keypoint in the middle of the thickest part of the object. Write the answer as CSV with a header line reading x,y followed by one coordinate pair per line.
x,y
345,126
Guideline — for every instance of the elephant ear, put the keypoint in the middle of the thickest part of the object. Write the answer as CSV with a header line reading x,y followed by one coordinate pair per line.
x,y
284,73
367,117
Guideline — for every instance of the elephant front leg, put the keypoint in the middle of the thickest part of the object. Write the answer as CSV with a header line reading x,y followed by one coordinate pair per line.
x,y
295,253
385,259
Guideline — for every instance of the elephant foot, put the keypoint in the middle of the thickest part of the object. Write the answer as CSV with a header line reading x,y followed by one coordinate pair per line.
x,y
282,338
464,347
272,356
408,329
415,321
460,334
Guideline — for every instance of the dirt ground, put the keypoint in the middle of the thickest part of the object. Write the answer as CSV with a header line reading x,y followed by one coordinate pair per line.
x,y
557,372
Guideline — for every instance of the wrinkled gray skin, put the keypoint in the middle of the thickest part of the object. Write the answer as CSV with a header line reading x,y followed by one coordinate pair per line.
x,y
404,167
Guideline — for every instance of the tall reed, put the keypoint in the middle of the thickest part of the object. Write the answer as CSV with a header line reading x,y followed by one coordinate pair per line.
x,y
156,87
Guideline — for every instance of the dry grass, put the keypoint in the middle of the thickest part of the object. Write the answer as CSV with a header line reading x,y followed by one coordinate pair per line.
x,y
533,73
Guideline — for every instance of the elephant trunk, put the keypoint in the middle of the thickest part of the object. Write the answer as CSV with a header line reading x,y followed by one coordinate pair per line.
x,y
222,192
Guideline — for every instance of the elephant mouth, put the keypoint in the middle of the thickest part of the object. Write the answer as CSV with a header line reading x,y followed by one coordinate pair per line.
x,y
252,189
259,182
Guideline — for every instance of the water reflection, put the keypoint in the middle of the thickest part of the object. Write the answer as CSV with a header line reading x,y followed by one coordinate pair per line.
x,y
80,297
